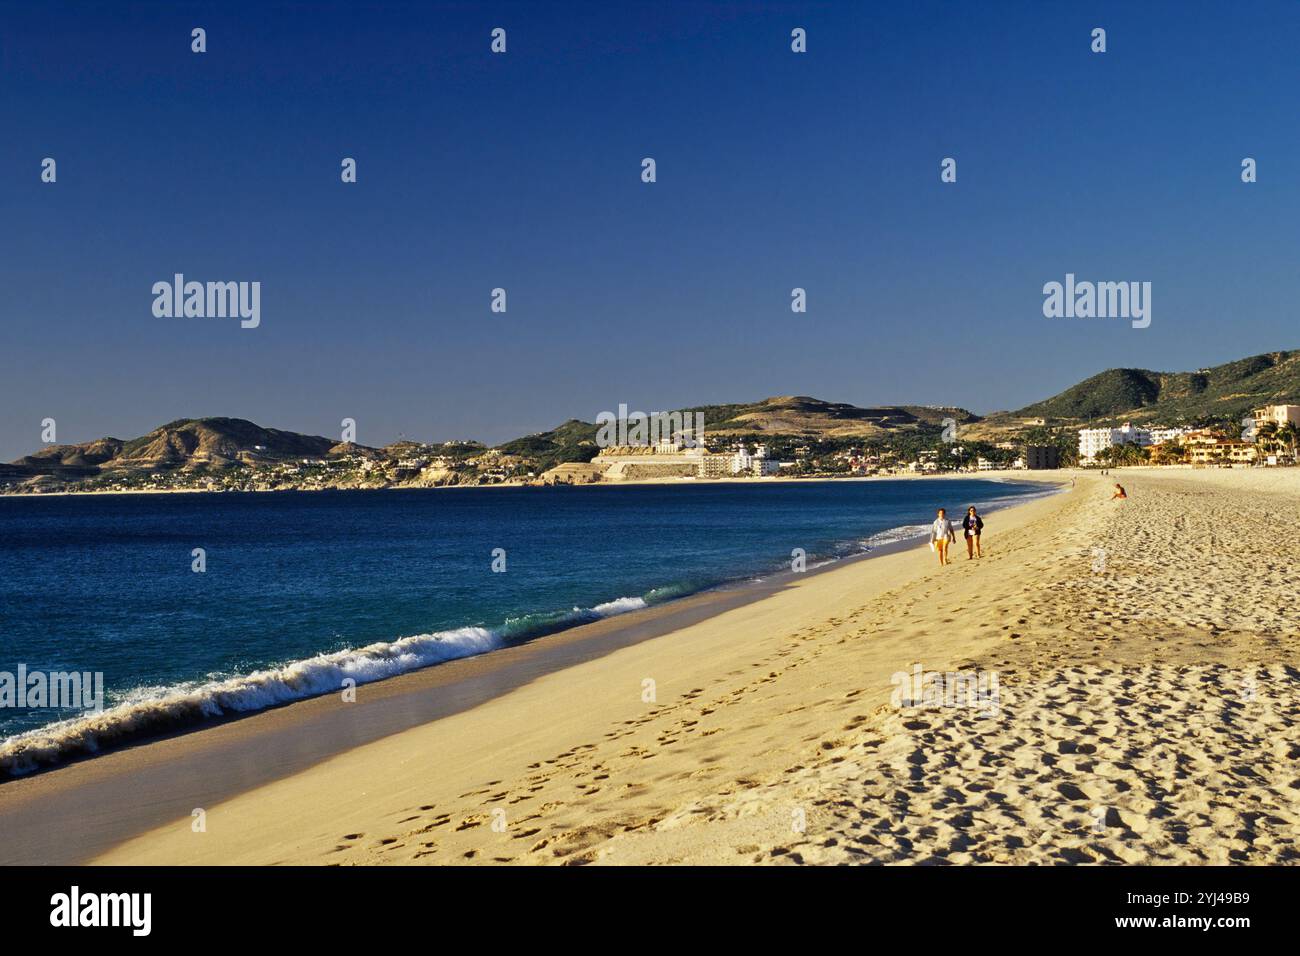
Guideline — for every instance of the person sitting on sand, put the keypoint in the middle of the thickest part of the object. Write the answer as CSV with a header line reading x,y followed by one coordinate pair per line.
x,y
1119,492
973,525
941,533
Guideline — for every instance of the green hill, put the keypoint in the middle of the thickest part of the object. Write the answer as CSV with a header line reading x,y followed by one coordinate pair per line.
x,y
573,441
1224,392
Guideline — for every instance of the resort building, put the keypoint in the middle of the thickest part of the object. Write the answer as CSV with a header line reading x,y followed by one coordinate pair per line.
x,y
1038,457
1093,441
1205,450
757,464
1278,415
1161,436
672,459
715,466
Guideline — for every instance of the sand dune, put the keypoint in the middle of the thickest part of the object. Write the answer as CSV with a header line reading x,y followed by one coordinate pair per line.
x,y
1148,693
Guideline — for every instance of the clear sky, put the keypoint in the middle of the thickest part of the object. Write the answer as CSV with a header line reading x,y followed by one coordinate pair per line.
x,y
522,171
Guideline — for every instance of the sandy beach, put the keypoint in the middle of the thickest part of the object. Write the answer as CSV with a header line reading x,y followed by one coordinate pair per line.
x,y
1137,662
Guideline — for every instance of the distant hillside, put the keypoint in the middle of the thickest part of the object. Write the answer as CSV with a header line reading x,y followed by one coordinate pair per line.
x,y
86,457
207,447
790,416
1227,391
186,443
573,441
800,416
219,439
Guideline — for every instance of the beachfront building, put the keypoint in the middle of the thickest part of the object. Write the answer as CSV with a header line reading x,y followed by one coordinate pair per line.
x,y
715,466
1203,451
1278,415
1039,457
741,461
1162,436
757,465
1208,447
1093,441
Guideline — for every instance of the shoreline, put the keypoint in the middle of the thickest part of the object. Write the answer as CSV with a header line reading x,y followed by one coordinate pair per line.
x,y
388,706
1000,474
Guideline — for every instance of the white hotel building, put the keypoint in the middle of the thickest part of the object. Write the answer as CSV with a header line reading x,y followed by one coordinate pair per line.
x,y
1093,441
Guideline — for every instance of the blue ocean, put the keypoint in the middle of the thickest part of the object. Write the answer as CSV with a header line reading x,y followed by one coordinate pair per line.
x,y
300,590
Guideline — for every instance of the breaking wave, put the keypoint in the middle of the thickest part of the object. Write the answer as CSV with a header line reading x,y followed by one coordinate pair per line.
x,y
147,711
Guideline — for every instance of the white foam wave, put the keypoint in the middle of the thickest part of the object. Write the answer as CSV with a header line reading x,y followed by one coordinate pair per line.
x,y
153,709
901,533
619,606
148,710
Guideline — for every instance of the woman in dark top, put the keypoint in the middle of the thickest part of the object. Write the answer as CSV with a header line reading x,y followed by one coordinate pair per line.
x,y
973,525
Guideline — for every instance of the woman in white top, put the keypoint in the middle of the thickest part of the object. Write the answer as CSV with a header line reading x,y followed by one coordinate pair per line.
x,y
941,533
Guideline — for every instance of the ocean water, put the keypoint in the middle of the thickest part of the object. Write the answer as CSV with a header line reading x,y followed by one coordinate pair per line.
x,y
304,589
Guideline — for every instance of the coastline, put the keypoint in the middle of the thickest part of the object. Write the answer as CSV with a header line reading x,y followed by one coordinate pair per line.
x,y
383,707
1109,744
1000,474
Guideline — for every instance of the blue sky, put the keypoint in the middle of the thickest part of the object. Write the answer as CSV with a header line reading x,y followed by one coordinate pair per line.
x,y
522,171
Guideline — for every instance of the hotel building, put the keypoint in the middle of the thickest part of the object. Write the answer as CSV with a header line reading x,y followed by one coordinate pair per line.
x,y
1093,441
1278,415
1208,449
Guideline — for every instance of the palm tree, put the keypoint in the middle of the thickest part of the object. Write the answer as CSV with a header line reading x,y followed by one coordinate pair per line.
x,y
1134,455
1289,436
1168,453
1266,437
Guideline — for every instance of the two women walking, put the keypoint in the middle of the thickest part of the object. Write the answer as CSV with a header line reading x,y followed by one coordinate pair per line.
x,y
942,534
